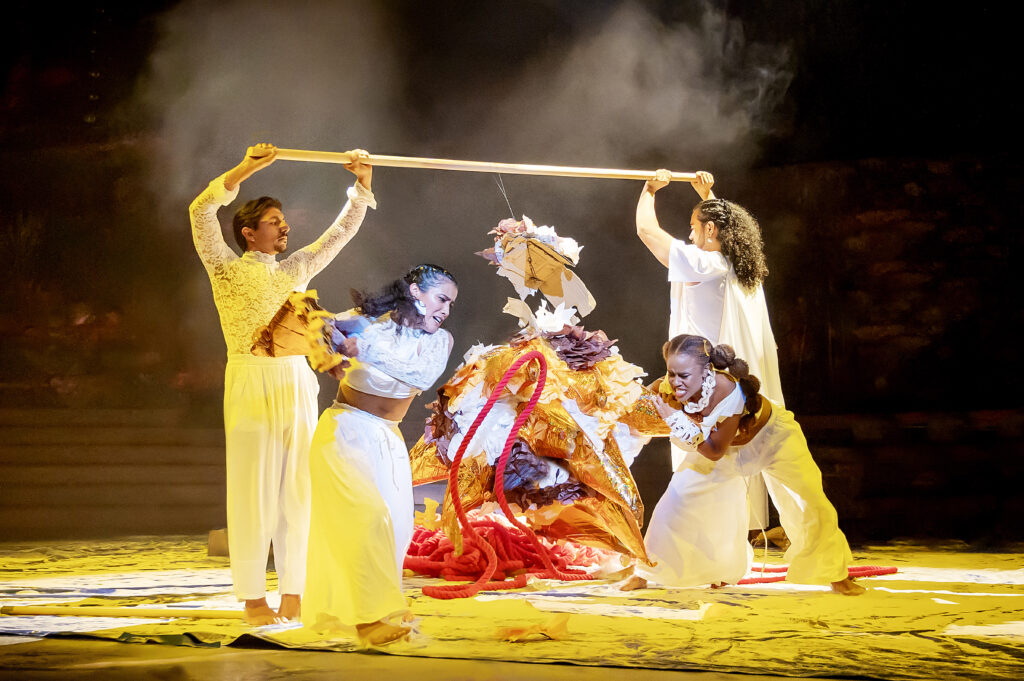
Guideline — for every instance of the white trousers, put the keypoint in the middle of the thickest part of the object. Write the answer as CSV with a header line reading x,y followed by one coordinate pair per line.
x,y
269,414
362,520
698,532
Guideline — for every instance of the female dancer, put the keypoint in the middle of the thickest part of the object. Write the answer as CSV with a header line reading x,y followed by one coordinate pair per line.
x,y
716,289
362,508
698,531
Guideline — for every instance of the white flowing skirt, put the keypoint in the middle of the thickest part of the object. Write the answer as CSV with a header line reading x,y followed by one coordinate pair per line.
x,y
698,532
361,522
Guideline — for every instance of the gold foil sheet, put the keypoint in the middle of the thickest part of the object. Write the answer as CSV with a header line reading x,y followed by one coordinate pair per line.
x,y
609,519
425,463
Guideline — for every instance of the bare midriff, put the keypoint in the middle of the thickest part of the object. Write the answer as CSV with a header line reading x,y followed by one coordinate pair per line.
x,y
390,408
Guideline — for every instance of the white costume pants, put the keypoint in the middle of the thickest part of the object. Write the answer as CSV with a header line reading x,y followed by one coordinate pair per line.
x,y
269,414
698,533
362,519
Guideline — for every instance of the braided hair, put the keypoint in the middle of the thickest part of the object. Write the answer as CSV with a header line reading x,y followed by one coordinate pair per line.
x,y
396,297
723,358
741,239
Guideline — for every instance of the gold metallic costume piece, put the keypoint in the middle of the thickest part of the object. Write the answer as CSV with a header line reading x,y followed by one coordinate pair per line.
x,y
298,328
611,514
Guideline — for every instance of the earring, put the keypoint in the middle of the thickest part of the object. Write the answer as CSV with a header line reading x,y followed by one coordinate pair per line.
x,y
707,388
420,307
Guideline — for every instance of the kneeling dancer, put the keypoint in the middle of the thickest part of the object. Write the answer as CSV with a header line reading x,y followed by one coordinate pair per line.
x,y
698,531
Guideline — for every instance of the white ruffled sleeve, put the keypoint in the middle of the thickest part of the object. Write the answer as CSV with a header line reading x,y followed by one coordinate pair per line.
x,y
408,355
687,263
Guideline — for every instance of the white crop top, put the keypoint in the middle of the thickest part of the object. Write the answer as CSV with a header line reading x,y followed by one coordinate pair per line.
x,y
396,361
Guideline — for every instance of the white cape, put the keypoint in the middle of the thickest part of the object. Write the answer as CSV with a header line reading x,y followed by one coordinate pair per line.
x,y
745,326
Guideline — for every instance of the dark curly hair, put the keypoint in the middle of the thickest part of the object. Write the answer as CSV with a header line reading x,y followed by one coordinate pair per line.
x,y
741,239
249,216
723,358
396,298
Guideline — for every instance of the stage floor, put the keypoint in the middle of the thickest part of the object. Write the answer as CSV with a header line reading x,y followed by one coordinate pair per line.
x,y
948,613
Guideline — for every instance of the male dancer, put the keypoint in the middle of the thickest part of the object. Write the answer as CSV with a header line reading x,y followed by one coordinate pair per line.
x,y
270,403
709,299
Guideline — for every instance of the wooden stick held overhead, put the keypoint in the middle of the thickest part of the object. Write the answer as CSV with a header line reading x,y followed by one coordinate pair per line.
x,y
478,166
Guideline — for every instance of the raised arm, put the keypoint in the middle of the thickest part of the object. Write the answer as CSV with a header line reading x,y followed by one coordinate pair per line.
x,y
256,158
206,231
307,262
702,185
657,240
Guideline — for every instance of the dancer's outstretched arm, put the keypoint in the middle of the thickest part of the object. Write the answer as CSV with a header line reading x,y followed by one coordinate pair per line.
x,y
256,158
305,263
657,240
206,231
702,185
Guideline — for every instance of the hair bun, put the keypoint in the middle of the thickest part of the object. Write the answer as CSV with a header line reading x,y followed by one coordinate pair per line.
x,y
739,368
722,356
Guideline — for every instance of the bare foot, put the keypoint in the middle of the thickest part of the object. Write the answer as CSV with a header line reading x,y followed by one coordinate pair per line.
x,y
380,633
719,585
848,587
258,613
291,607
633,583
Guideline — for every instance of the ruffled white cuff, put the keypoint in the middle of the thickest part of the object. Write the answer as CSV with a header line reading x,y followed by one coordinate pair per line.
x,y
685,429
220,193
360,195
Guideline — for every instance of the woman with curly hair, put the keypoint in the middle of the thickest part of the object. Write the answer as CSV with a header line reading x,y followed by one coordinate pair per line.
x,y
362,506
716,288
697,534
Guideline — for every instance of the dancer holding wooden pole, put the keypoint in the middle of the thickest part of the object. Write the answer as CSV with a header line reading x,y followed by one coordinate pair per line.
x,y
717,291
270,403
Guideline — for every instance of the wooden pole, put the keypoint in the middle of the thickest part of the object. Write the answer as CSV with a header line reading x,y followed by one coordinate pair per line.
x,y
478,166
90,611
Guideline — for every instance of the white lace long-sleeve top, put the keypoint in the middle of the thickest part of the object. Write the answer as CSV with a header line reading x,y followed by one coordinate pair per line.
x,y
249,290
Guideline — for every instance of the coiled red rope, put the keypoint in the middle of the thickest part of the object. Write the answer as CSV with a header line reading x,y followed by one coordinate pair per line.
x,y
512,547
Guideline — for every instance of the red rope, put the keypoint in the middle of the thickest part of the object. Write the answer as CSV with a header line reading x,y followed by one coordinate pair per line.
x,y
854,571
474,541
432,553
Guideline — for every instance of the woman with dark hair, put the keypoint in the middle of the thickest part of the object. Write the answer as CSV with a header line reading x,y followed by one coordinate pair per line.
x,y
362,506
698,532
717,288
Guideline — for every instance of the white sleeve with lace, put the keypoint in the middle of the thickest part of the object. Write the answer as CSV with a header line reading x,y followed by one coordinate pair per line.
x,y
206,230
305,263
409,355
685,432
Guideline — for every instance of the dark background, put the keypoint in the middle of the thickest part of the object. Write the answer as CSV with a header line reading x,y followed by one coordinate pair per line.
x,y
876,142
